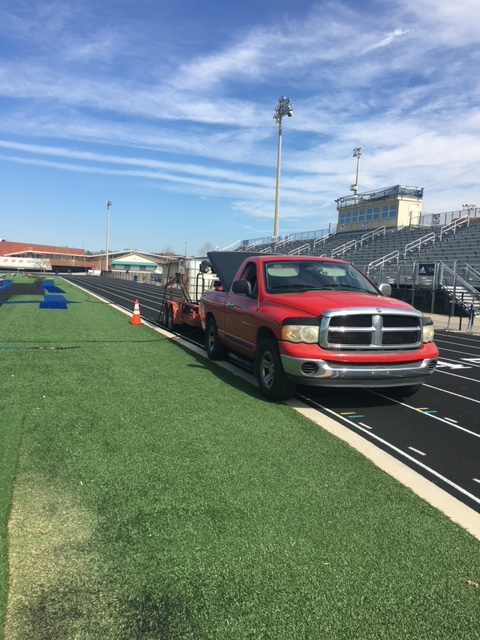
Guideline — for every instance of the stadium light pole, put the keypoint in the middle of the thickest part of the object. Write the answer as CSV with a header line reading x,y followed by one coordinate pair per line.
x,y
109,204
357,153
283,108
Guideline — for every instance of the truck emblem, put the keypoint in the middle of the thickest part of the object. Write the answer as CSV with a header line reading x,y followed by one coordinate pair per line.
x,y
379,310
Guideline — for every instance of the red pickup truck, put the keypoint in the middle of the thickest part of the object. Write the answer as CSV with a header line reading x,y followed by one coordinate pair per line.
x,y
314,321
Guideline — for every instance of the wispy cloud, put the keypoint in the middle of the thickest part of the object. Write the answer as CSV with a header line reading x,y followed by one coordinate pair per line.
x,y
387,40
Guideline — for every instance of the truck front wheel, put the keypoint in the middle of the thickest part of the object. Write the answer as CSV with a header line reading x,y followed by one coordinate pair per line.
x,y
215,349
272,381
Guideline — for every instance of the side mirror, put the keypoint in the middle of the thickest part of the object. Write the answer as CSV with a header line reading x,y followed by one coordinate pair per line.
x,y
386,289
243,287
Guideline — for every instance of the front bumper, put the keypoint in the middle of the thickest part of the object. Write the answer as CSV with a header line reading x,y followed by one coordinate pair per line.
x,y
316,372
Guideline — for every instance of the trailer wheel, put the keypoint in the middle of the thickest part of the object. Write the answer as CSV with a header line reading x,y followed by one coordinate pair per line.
x,y
215,349
169,318
272,380
161,317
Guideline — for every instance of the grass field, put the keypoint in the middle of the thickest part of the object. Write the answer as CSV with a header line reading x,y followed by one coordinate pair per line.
x,y
151,494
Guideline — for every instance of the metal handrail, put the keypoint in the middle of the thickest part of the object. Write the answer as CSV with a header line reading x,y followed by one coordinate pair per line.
x,y
383,260
472,304
252,246
457,279
371,234
453,225
282,243
305,248
418,243
339,251
470,269
322,239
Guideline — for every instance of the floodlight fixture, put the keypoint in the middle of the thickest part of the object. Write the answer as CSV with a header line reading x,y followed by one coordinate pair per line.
x,y
283,108
357,153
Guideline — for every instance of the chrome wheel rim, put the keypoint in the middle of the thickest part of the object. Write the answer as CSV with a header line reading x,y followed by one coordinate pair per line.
x,y
267,369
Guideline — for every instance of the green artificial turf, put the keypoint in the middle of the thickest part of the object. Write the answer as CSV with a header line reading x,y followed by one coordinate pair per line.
x,y
157,496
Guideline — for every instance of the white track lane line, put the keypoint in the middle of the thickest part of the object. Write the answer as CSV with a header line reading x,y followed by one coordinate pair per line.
x,y
402,453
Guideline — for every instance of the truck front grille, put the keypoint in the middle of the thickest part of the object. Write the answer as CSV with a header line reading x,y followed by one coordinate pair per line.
x,y
373,329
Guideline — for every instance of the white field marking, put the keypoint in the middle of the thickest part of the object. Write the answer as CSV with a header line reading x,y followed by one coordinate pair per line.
x,y
468,343
456,351
431,415
420,453
472,361
457,375
458,336
450,420
452,393
476,480
452,365
367,426
402,453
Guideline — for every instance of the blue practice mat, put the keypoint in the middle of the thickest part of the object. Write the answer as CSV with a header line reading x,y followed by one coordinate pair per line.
x,y
49,285
53,302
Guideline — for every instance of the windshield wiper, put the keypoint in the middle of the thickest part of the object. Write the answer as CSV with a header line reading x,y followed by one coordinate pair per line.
x,y
304,288
340,287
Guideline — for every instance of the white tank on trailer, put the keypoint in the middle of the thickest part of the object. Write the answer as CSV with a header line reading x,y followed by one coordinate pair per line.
x,y
194,274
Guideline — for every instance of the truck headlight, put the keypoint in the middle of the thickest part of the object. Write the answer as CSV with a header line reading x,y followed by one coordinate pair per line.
x,y
428,330
301,333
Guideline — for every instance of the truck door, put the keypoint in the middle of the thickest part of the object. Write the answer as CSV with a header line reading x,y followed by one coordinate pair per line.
x,y
240,315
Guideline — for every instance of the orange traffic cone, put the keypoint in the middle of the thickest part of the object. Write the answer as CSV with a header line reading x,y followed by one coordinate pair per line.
x,y
136,319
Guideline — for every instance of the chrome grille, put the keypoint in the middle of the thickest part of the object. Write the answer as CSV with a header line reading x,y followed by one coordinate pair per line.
x,y
375,328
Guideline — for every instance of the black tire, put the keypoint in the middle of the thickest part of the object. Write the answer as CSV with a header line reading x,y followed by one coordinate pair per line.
x,y
161,317
169,318
215,349
272,380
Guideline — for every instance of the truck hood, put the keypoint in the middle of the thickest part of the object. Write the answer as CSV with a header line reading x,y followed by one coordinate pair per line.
x,y
315,302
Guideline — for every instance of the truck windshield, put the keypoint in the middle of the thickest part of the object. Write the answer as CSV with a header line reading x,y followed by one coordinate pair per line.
x,y
291,276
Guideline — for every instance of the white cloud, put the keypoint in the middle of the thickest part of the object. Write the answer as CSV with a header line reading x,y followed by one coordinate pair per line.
x,y
387,40
454,24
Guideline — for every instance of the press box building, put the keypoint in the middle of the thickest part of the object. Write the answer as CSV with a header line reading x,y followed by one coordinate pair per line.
x,y
394,207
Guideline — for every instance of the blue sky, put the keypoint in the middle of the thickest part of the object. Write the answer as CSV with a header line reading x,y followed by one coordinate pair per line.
x,y
166,109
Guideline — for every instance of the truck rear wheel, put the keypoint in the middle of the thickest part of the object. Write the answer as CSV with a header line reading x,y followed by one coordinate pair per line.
x,y
272,381
215,349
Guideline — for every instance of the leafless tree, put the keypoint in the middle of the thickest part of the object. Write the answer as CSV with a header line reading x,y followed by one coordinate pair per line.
x,y
205,248
167,251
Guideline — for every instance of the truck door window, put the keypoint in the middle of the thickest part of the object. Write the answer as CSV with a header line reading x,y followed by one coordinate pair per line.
x,y
250,274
